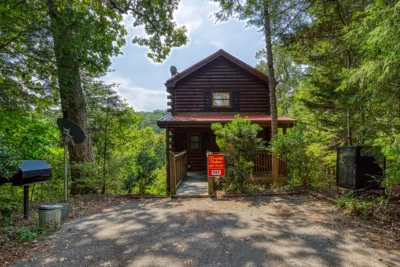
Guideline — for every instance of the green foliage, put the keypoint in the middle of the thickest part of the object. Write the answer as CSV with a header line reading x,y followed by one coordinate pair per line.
x,y
148,156
288,76
8,160
356,206
238,141
30,233
149,119
307,160
8,202
159,184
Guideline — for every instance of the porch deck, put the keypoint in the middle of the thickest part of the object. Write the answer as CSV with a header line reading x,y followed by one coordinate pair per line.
x,y
193,185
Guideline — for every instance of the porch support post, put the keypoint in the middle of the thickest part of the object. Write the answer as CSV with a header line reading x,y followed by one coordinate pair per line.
x,y
172,168
284,130
168,162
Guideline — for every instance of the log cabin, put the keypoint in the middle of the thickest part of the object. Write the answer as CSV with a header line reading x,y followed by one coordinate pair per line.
x,y
213,90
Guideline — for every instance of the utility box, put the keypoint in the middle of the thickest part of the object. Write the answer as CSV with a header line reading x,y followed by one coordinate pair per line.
x,y
50,216
355,171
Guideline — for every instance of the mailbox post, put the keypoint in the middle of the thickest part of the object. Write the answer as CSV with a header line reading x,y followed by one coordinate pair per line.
x,y
215,168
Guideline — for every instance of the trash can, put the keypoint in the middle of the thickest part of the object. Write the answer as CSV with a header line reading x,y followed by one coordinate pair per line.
x,y
50,216
66,209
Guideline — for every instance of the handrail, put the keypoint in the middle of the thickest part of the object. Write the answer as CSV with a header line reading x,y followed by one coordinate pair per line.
x,y
177,168
263,164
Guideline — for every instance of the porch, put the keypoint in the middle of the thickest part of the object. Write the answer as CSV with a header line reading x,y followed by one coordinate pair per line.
x,y
192,134
184,183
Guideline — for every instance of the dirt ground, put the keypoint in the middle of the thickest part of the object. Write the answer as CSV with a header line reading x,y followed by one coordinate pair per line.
x,y
257,231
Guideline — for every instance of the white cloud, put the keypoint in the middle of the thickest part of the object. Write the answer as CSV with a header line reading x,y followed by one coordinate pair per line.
x,y
218,44
140,98
194,14
189,16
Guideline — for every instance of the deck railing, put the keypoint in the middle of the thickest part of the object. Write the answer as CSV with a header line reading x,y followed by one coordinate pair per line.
x,y
177,168
263,164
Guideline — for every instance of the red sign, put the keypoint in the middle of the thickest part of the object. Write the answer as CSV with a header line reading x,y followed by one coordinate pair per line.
x,y
216,165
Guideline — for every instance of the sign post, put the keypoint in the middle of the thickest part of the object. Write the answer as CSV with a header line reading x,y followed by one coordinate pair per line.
x,y
215,168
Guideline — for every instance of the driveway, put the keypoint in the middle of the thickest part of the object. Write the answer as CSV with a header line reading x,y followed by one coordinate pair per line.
x,y
258,231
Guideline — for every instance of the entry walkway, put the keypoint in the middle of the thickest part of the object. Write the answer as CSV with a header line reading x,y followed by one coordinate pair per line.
x,y
193,185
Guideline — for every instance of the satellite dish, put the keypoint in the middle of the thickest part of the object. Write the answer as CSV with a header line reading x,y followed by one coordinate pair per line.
x,y
71,131
173,70
72,134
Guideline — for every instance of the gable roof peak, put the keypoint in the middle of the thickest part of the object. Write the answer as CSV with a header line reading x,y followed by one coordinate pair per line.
x,y
171,82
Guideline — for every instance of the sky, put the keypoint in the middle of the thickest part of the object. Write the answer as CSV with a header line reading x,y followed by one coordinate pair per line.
x,y
141,81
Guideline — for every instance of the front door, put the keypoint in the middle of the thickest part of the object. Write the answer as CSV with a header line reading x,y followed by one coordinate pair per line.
x,y
196,156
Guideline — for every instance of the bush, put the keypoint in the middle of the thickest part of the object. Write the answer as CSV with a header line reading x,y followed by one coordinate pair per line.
x,y
356,206
8,205
307,160
8,199
30,233
238,141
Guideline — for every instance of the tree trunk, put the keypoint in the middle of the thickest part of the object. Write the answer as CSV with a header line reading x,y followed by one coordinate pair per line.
x,y
272,90
71,94
103,190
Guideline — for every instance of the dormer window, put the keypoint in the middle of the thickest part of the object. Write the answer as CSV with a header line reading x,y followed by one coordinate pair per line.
x,y
221,99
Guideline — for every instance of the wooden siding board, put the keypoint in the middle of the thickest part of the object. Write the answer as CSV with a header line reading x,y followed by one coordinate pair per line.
x,y
193,93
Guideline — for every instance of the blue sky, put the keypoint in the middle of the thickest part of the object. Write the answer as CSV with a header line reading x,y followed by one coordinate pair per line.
x,y
141,81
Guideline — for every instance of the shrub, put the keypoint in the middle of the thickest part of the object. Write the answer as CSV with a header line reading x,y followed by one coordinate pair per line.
x,y
8,199
8,205
238,141
356,206
30,233
306,160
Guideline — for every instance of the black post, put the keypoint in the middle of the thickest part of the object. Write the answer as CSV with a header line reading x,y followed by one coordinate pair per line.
x,y
26,202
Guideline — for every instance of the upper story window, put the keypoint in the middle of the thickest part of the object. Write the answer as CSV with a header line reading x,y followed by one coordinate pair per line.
x,y
221,99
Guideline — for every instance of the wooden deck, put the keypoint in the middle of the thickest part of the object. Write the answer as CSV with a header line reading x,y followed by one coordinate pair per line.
x,y
196,184
193,185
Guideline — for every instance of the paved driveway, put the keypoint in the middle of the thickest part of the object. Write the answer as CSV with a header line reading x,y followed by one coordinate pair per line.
x,y
261,231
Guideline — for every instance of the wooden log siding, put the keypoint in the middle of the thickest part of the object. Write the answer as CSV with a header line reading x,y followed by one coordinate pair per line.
x,y
177,168
192,94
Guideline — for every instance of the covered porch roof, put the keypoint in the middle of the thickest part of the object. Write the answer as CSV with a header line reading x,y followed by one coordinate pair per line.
x,y
199,120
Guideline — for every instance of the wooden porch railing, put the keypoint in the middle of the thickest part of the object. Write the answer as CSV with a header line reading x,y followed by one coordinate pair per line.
x,y
177,168
263,164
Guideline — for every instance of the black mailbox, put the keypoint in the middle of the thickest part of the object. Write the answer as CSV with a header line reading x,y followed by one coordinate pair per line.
x,y
30,172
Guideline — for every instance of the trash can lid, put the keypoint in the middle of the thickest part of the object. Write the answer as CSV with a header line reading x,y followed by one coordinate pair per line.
x,y
50,207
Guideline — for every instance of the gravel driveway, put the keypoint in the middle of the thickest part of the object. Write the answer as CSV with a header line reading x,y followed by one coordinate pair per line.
x,y
259,231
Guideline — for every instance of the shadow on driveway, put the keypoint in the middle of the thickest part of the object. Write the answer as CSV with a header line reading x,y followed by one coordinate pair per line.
x,y
259,231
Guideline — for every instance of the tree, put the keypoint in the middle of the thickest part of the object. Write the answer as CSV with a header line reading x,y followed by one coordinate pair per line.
x,y
55,41
111,121
273,18
376,39
288,76
238,141
148,156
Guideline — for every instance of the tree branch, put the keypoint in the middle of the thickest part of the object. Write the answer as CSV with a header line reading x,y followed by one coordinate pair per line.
x,y
128,8
11,40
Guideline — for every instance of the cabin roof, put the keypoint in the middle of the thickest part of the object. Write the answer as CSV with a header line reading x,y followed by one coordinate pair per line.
x,y
171,82
171,119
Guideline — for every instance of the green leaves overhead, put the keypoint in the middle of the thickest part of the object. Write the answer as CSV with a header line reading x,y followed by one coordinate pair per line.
x,y
156,17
